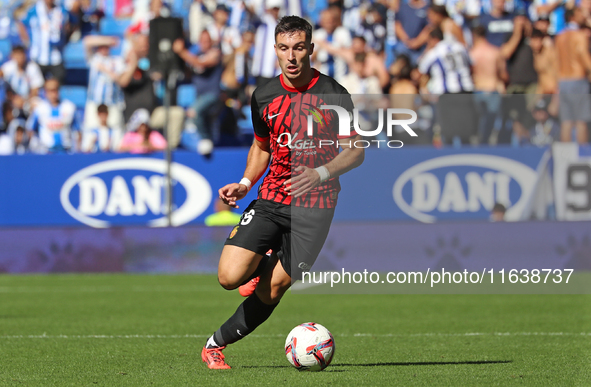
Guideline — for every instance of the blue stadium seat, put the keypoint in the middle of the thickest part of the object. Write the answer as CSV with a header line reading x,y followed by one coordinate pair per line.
x,y
109,8
76,77
245,124
181,7
114,27
117,50
74,56
186,95
5,48
76,94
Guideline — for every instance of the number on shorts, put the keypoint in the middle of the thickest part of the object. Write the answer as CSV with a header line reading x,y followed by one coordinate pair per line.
x,y
247,217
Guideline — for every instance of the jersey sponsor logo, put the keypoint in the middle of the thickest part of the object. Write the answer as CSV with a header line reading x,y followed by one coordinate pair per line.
x,y
500,26
466,183
55,125
133,189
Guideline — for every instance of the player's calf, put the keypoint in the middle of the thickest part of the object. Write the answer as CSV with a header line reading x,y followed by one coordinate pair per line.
x,y
273,285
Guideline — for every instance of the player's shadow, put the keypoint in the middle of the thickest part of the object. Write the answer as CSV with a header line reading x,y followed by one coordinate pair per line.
x,y
393,364
424,363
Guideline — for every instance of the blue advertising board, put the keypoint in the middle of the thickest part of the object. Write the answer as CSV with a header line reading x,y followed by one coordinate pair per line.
x,y
102,190
431,185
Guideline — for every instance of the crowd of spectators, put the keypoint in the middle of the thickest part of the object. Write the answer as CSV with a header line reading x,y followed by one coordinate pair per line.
x,y
501,69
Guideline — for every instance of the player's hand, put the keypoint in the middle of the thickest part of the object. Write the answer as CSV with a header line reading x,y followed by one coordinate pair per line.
x,y
305,180
178,46
232,192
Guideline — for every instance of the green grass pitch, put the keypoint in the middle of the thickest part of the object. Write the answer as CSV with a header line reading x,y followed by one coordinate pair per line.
x,y
148,330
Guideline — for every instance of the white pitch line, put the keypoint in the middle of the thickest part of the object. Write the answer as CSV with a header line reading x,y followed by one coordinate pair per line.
x,y
476,334
102,289
467,334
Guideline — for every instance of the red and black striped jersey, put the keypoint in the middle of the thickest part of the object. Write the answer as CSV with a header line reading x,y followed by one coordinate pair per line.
x,y
280,115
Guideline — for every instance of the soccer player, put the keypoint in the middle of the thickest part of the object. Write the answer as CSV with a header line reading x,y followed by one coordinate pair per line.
x,y
293,212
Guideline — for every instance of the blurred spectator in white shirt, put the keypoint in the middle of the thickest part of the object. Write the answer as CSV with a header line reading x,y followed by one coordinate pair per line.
x,y
265,65
104,71
357,81
19,143
337,37
23,76
222,35
200,17
55,121
102,138
46,29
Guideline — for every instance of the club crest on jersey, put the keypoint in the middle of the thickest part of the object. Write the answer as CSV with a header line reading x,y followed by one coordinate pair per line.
x,y
316,114
233,233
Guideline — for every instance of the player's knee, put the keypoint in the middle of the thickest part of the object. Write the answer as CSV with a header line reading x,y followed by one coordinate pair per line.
x,y
227,281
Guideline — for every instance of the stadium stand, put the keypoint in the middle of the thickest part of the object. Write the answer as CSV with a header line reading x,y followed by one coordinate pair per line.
x,y
5,48
366,55
74,56
114,27
76,94
186,95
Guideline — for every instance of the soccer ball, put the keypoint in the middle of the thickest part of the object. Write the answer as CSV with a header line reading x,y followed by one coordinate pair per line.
x,y
309,347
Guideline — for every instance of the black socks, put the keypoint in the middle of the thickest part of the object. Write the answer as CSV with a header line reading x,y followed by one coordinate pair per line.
x,y
249,315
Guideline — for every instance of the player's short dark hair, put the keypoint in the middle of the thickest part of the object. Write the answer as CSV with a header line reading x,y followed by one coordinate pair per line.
x,y
102,108
436,33
439,9
498,207
293,24
479,30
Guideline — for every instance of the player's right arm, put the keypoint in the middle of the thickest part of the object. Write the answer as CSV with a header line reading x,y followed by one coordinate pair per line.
x,y
256,165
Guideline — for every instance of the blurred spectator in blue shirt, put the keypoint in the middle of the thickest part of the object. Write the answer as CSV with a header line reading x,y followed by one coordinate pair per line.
x,y
498,23
412,29
46,29
206,62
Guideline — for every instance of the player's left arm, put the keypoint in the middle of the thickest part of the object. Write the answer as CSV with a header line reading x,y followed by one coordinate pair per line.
x,y
308,178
